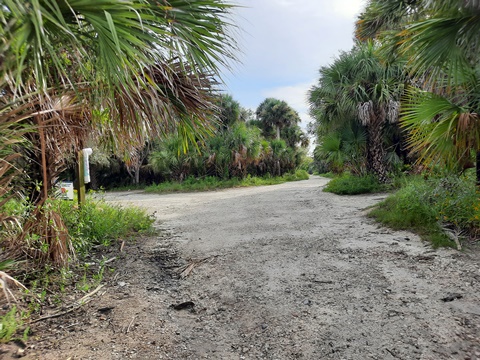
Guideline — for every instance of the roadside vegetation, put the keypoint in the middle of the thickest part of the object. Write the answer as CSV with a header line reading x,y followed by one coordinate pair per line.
x,y
159,121
443,210
347,184
213,183
399,112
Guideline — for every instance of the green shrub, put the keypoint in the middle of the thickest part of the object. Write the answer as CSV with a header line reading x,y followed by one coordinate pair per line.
x,y
301,175
426,206
98,222
329,175
348,184
406,208
213,183
14,207
9,325
456,201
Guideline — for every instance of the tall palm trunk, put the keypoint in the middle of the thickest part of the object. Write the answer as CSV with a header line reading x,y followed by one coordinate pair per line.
x,y
478,168
376,152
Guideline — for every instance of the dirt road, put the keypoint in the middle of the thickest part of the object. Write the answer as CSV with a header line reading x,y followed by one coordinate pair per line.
x,y
277,272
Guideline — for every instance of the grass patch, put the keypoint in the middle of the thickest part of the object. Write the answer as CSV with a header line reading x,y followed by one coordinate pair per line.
x,y
130,187
329,175
348,184
10,325
98,222
95,223
427,207
192,184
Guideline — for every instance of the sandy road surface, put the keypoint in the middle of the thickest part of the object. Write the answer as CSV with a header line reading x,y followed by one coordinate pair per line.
x,y
288,272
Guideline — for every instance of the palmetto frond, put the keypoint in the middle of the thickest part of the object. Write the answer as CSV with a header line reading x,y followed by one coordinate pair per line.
x,y
440,131
383,15
440,112
445,45
151,65
117,38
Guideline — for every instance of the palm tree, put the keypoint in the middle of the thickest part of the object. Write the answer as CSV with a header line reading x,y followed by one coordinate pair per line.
x,y
276,114
129,69
442,105
229,110
359,85
381,17
295,137
149,66
169,161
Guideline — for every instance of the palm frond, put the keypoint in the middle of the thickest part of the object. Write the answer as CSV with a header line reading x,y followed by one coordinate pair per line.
x,y
380,16
440,132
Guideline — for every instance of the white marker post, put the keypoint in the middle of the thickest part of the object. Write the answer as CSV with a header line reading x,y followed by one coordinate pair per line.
x,y
86,165
83,173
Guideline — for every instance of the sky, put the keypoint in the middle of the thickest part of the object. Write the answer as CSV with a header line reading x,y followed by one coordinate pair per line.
x,y
283,44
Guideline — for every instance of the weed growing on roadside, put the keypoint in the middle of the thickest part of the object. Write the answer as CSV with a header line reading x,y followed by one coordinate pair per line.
x,y
428,206
9,324
212,183
84,283
97,222
92,278
348,184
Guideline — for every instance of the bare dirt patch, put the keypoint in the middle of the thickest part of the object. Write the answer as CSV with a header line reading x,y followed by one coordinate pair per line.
x,y
277,272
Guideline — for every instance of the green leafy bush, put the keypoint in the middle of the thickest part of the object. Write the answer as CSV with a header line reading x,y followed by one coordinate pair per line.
x,y
213,183
98,222
348,184
299,175
456,201
428,206
9,325
407,208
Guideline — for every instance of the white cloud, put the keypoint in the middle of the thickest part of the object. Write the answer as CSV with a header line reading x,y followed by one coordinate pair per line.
x,y
285,40
348,8
284,43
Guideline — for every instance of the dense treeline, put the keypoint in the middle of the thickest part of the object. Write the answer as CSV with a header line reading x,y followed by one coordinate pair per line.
x,y
405,100
407,93
241,143
138,82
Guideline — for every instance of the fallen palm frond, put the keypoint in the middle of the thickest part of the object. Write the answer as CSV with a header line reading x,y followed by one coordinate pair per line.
x,y
72,307
5,279
186,270
45,238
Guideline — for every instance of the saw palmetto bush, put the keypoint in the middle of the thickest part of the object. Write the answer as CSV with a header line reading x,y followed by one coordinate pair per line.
x,y
438,43
11,136
359,87
125,69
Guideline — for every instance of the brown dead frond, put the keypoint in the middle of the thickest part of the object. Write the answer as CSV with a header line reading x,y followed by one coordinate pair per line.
x,y
6,281
44,239
171,99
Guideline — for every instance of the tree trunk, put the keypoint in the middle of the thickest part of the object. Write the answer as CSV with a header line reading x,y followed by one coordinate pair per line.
x,y
278,132
376,152
137,173
478,168
43,148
